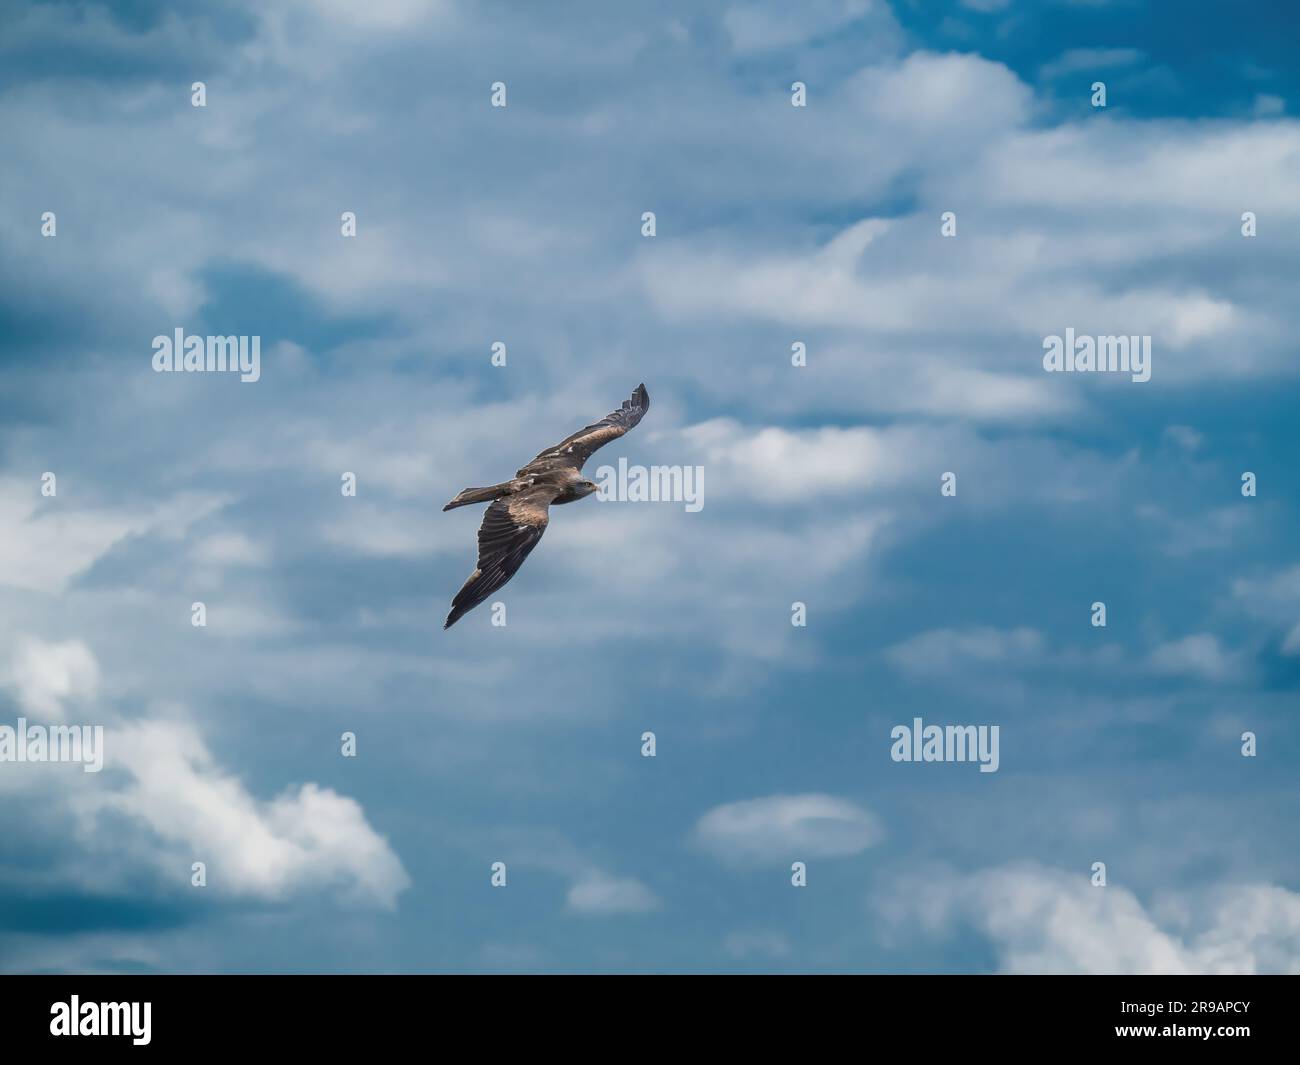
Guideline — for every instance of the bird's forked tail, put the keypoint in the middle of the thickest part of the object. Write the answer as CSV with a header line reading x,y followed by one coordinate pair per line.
x,y
477,495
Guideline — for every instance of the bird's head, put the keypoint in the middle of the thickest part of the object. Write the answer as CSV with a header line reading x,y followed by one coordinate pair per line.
x,y
586,488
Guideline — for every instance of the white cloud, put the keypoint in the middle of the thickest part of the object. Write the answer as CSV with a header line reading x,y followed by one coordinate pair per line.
x,y
940,388
1276,594
378,14
48,541
966,652
1275,597
1089,60
762,25
895,286
756,944
773,464
380,531
953,96
785,828
47,674
1199,655
229,549
307,839
164,779
1291,644
1185,437
602,895
1045,921
941,650
1166,165
954,326
1268,106
784,465
1217,529
593,890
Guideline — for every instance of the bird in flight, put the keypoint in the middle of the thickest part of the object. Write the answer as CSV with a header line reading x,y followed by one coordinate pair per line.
x,y
519,512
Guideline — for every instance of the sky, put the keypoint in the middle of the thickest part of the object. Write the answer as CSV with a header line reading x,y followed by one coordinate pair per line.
x,y
772,830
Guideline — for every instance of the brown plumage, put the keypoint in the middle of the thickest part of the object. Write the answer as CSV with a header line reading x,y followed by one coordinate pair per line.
x,y
519,512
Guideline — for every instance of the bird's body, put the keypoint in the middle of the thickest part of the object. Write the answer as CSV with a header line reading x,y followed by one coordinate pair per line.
x,y
519,510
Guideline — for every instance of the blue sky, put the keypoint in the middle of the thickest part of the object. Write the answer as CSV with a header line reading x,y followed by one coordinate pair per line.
x,y
522,743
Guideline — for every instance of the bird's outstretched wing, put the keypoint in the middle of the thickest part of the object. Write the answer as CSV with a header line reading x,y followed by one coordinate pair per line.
x,y
511,528
576,449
